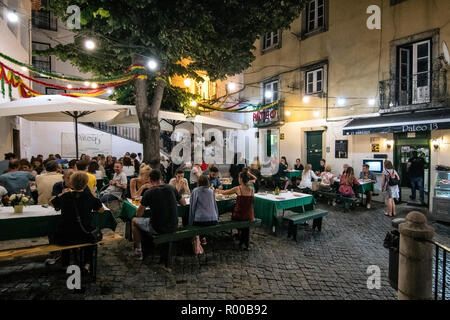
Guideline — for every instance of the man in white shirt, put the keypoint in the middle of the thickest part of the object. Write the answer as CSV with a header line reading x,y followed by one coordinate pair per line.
x,y
116,186
196,172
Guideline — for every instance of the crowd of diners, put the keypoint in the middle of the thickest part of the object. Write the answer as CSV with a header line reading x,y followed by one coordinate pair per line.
x,y
73,187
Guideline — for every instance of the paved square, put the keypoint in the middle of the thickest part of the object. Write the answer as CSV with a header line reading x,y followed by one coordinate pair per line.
x,y
328,265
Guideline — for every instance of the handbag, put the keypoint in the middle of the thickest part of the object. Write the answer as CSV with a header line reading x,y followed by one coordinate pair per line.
x,y
95,235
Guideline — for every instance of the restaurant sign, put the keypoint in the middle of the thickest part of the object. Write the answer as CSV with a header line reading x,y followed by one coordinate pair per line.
x,y
406,128
90,144
267,117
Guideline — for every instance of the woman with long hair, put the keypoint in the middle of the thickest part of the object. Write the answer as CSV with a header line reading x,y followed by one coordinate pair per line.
x,y
348,181
243,210
128,167
141,183
307,176
390,187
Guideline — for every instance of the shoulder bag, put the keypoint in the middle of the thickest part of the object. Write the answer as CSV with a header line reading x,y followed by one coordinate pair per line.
x,y
95,235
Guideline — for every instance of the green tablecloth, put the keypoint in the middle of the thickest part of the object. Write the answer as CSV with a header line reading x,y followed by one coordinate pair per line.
x,y
187,176
33,227
363,188
227,186
128,210
267,210
292,174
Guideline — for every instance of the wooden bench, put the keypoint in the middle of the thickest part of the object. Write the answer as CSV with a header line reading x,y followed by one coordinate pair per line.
x,y
295,219
192,231
41,250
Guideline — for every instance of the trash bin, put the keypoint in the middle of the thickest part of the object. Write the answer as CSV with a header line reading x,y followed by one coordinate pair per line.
x,y
392,242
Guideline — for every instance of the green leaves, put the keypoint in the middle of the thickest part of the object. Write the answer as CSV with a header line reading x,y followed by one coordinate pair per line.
x,y
218,35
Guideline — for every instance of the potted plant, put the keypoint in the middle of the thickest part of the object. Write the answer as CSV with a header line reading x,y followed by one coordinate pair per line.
x,y
18,201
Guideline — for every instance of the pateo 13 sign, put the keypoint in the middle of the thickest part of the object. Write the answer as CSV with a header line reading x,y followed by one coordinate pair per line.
x,y
266,117
91,144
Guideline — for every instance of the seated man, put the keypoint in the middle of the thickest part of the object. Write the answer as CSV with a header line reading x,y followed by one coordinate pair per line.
x,y
180,183
46,181
214,180
366,174
162,201
16,181
117,185
83,166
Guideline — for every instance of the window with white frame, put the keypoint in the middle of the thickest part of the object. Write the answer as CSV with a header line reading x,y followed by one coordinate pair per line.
x,y
270,94
271,40
314,81
315,14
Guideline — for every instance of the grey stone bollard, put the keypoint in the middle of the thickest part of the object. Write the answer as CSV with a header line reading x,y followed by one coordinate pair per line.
x,y
415,276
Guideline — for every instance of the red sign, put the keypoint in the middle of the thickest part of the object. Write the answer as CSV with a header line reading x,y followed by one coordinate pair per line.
x,y
265,117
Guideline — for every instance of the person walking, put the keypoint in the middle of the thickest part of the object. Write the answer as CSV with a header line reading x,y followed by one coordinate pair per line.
x,y
416,168
390,187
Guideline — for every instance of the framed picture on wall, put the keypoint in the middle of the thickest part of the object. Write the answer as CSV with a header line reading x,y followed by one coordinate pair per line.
x,y
341,149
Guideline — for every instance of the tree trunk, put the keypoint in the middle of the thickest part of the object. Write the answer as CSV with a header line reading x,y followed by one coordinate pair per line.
x,y
148,119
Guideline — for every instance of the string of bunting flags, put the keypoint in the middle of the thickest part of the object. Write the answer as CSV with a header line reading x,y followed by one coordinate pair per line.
x,y
14,79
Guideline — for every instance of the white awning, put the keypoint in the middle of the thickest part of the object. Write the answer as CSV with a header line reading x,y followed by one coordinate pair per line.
x,y
129,118
52,108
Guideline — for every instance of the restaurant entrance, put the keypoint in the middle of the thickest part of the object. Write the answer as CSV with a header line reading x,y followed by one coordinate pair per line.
x,y
405,144
314,148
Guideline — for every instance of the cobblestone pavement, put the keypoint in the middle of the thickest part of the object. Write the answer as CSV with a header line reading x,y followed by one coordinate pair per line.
x,y
328,265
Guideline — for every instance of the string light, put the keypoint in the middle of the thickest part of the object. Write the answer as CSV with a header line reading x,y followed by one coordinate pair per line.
x,y
231,86
306,99
94,86
87,84
288,113
268,94
109,91
89,44
69,86
372,102
152,64
341,102
316,114
187,82
193,103
24,69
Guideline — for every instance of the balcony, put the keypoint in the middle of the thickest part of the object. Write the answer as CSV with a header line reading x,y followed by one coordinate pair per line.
x,y
416,92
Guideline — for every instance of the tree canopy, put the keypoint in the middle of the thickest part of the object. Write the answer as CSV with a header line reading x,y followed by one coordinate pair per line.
x,y
216,35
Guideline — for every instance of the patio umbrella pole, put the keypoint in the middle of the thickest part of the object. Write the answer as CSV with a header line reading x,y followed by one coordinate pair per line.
x,y
76,132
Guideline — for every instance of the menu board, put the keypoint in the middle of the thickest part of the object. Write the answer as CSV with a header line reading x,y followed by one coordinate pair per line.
x,y
341,149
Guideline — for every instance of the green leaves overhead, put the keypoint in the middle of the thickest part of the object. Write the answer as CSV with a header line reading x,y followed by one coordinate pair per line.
x,y
218,35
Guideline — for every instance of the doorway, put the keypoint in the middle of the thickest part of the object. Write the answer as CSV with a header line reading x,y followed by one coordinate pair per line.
x,y
16,143
314,148
404,144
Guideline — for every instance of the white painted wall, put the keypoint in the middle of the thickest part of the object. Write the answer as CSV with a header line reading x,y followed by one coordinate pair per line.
x,y
45,138
16,45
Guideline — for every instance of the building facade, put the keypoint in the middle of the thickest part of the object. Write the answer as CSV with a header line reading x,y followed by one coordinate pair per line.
x,y
357,80
15,42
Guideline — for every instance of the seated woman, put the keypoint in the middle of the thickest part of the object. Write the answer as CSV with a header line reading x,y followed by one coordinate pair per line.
x,y
348,181
279,178
243,210
307,176
327,178
180,182
203,209
75,224
140,184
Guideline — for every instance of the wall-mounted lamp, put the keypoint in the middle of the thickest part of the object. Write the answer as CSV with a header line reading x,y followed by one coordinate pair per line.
x,y
389,144
436,144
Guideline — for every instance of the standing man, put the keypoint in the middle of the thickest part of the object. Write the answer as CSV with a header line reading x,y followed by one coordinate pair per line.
x,y
416,168
366,175
162,200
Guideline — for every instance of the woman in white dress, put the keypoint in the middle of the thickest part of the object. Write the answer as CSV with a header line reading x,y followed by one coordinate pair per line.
x,y
390,187
307,177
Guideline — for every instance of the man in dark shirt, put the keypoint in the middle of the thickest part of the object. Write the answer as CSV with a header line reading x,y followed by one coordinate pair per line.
x,y
162,201
416,169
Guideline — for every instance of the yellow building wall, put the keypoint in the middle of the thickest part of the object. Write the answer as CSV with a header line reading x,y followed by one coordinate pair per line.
x,y
358,58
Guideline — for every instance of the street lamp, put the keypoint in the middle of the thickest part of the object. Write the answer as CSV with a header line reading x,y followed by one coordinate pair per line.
x,y
187,82
231,86
152,64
